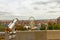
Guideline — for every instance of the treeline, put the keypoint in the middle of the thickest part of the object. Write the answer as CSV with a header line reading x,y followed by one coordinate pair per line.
x,y
43,27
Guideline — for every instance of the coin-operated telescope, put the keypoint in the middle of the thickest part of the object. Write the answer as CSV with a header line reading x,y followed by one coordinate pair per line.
x,y
10,30
31,19
11,26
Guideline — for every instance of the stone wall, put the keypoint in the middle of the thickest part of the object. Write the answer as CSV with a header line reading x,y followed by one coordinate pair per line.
x,y
31,35
53,34
38,35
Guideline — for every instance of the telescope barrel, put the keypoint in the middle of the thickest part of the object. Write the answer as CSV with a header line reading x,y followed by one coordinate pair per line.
x,y
11,25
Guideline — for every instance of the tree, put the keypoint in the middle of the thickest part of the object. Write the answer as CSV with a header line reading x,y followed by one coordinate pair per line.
x,y
19,27
57,27
42,27
2,28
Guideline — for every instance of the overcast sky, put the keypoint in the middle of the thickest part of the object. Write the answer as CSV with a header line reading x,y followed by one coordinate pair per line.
x,y
23,9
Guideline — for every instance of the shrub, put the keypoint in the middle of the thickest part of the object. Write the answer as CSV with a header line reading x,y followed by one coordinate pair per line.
x,y
42,27
2,28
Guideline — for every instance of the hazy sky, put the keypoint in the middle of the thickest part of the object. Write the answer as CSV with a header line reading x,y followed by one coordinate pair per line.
x,y
23,9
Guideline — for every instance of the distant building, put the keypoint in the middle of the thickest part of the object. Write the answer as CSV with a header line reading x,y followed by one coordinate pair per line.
x,y
27,22
58,20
